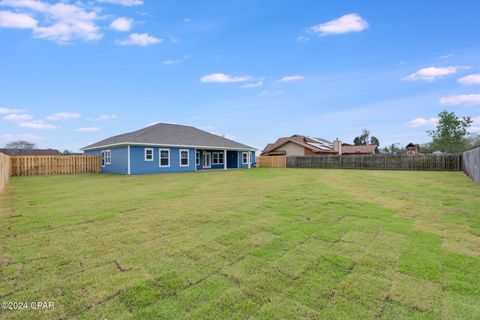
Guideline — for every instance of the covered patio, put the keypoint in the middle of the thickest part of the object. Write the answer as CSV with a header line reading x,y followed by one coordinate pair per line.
x,y
214,159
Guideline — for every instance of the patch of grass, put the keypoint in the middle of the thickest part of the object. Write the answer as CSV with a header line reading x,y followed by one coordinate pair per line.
x,y
246,244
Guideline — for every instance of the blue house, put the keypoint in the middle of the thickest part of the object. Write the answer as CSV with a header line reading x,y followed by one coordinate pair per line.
x,y
170,148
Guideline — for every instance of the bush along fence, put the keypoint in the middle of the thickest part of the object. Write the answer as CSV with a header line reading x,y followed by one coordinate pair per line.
x,y
471,164
4,170
429,162
47,165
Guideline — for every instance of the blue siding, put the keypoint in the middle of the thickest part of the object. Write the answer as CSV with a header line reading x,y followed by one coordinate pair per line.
x,y
252,154
119,163
138,165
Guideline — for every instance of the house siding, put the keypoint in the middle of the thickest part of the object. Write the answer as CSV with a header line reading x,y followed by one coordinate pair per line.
x,y
138,165
292,149
240,162
119,156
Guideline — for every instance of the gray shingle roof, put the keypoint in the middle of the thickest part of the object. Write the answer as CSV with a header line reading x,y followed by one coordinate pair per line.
x,y
170,135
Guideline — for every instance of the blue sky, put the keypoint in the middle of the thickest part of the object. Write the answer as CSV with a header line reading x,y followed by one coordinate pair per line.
x,y
75,72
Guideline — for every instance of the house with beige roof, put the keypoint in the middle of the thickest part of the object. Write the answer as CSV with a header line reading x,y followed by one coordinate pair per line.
x,y
299,145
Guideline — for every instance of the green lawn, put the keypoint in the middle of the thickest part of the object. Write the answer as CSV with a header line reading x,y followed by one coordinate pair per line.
x,y
247,244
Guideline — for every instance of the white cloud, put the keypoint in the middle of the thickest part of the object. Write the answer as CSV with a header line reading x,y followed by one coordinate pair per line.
x,y
7,110
270,93
223,78
432,73
139,39
61,116
104,117
422,122
18,117
465,99
127,3
476,125
446,56
187,20
10,19
252,85
348,23
302,39
176,61
7,137
473,79
122,24
38,124
62,22
291,78
87,129
26,4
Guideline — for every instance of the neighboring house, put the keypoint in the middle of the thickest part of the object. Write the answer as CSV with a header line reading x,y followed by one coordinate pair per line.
x,y
31,152
298,145
413,149
351,149
170,148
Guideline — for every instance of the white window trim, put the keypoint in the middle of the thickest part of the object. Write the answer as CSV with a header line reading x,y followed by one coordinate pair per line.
x,y
218,158
180,157
198,158
244,159
145,154
108,156
160,157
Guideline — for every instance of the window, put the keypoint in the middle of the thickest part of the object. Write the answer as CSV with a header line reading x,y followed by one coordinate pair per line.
x,y
217,157
184,158
164,157
244,157
103,158
197,158
108,157
148,154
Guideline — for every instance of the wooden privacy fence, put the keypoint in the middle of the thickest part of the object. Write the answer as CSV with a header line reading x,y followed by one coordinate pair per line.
x,y
426,162
47,165
4,170
272,162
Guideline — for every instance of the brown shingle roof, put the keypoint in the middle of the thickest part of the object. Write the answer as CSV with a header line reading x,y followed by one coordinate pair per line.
x,y
316,145
359,149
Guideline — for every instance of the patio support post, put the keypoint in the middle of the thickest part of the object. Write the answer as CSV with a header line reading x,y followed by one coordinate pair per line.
x,y
224,159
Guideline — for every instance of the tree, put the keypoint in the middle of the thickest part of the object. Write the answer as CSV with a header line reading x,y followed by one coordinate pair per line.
x,y
67,152
451,132
394,148
364,139
374,140
21,144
